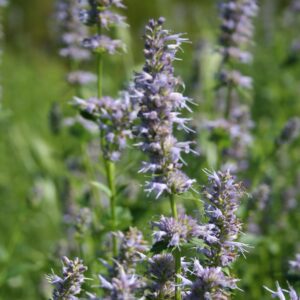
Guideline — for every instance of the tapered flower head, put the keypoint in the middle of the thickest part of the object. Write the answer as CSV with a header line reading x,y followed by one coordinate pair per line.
x,y
223,197
156,89
161,272
68,286
236,35
123,286
73,32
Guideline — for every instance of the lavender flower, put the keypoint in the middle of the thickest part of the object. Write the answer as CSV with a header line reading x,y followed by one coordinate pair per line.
x,y
68,287
100,14
81,78
123,286
132,247
236,35
161,272
156,90
67,13
114,118
222,201
122,283
295,264
103,44
208,283
175,232
280,293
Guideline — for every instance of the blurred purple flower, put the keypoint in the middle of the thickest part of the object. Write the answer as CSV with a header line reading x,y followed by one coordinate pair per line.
x,y
100,14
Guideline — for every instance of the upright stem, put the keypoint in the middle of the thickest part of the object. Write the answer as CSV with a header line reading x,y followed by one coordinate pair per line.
x,y
109,166
176,253
110,173
173,206
99,68
100,74
228,102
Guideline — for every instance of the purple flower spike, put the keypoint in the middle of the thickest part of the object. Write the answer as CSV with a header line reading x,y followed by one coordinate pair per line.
x,y
156,91
236,34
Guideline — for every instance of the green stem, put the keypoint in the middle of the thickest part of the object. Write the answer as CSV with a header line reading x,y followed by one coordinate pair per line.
x,y
173,206
100,68
110,173
109,166
228,102
176,253
100,74
91,177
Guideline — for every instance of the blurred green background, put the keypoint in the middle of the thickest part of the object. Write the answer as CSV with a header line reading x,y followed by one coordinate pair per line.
x,y
33,159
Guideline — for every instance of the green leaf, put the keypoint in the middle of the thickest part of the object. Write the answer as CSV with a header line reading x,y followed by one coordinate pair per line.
x,y
159,247
102,187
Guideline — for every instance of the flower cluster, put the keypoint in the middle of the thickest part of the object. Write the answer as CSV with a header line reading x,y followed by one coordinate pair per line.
x,y
280,293
236,34
208,283
73,32
68,287
123,285
175,232
156,90
161,269
222,201
101,15
132,247
113,117
122,282
67,14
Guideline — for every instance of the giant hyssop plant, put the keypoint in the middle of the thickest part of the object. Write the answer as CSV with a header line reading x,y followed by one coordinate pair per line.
x,y
184,253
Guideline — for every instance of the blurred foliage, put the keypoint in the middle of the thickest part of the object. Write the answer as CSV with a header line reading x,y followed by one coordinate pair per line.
x,y
35,162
